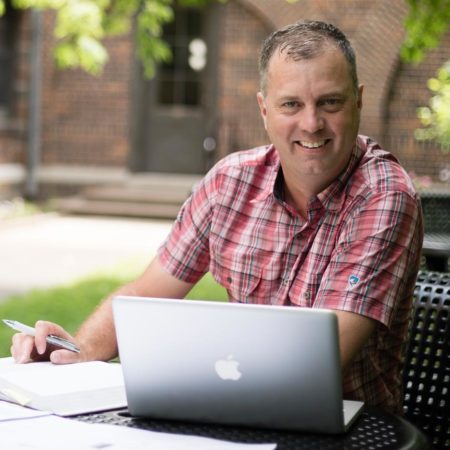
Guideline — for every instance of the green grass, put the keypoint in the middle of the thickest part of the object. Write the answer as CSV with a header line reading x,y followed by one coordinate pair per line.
x,y
18,208
69,305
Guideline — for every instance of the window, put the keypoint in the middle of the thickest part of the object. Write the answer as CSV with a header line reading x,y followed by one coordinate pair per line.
x,y
180,80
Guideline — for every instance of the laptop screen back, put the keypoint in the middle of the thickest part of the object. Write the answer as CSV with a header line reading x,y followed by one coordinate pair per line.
x,y
253,365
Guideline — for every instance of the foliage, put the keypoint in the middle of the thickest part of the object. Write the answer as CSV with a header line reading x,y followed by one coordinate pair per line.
x,y
425,24
17,208
82,25
427,21
436,116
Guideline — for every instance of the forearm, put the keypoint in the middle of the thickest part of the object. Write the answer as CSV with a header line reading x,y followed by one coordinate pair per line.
x,y
354,331
96,336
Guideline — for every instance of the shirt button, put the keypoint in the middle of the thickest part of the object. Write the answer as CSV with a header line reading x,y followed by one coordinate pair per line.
x,y
307,295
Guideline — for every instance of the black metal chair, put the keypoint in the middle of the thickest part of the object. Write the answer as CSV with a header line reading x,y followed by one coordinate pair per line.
x,y
436,215
426,373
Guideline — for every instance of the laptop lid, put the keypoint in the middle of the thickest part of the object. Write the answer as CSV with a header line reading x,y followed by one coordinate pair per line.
x,y
253,365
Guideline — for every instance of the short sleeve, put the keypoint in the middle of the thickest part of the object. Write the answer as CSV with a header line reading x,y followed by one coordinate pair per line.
x,y
185,253
376,256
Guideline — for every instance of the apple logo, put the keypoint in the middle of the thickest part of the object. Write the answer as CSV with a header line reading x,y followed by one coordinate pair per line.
x,y
227,369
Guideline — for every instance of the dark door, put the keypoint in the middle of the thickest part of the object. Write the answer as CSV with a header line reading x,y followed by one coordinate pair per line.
x,y
176,127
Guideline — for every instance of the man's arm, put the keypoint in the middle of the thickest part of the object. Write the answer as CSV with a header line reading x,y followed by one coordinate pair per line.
x,y
96,336
379,246
354,331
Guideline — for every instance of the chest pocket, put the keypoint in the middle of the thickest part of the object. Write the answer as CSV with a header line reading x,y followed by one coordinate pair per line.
x,y
238,272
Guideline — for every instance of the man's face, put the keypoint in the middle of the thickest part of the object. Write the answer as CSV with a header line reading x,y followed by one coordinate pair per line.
x,y
311,114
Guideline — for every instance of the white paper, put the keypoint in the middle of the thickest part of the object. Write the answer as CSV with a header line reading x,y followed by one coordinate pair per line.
x,y
63,389
45,378
8,363
10,411
56,433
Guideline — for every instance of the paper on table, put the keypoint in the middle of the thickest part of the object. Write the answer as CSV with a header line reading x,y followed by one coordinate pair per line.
x,y
56,433
63,389
8,363
10,411
70,377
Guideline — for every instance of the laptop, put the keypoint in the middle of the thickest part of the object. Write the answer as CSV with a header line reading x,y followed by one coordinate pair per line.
x,y
274,367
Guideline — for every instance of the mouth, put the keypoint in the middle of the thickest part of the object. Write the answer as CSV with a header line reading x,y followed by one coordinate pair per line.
x,y
312,145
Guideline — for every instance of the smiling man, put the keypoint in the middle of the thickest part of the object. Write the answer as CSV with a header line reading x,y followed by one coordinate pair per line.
x,y
310,109
321,218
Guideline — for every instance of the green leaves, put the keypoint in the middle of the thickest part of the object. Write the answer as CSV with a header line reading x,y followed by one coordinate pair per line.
x,y
81,18
427,21
425,24
84,52
151,48
81,25
436,116
79,29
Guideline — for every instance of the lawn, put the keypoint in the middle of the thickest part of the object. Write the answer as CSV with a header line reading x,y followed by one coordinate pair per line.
x,y
69,305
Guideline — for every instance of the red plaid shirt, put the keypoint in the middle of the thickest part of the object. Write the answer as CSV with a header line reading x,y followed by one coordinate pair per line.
x,y
358,250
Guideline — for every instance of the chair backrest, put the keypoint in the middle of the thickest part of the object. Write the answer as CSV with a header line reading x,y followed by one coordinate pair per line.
x,y
426,374
436,211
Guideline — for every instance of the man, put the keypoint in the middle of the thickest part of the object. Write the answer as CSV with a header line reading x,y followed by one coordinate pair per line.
x,y
321,218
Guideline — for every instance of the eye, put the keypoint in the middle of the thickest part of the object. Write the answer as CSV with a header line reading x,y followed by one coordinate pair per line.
x,y
332,104
290,104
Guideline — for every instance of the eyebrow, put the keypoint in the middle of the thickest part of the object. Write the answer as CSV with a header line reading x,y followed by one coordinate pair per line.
x,y
340,94
332,94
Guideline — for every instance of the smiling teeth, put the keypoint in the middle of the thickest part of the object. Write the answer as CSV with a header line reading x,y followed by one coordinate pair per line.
x,y
312,144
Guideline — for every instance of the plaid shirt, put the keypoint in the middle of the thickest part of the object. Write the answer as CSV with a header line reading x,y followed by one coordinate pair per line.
x,y
358,250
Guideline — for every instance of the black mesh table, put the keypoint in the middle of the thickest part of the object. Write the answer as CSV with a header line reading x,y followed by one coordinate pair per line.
x,y
374,429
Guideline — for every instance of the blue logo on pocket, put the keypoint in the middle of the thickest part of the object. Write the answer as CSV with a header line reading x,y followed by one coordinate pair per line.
x,y
353,280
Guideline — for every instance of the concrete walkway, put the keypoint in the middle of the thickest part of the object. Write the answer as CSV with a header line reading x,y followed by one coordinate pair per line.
x,y
50,250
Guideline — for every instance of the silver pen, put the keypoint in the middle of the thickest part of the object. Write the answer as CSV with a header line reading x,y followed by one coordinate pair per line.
x,y
51,338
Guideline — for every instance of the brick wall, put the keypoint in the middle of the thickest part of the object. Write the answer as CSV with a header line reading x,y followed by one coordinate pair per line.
x,y
408,92
85,118
246,23
393,90
241,126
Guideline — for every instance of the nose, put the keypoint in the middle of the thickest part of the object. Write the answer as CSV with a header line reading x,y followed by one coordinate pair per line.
x,y
310,120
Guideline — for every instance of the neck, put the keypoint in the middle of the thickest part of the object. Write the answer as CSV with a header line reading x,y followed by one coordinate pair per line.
x,y
298,199
299,191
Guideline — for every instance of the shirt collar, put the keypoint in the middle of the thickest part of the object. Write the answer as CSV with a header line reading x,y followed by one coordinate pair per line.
x,y
273,168
331,197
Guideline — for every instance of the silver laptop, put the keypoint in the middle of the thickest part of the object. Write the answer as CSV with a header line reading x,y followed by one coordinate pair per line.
x,y
226,363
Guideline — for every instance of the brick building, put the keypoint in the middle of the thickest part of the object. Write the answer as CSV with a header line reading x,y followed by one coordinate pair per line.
x,y
203,105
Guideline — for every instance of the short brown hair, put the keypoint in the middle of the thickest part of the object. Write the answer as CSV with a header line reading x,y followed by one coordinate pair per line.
x,y
305,39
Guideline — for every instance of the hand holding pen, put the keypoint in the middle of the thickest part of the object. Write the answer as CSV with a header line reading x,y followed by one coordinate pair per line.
x,y
31,343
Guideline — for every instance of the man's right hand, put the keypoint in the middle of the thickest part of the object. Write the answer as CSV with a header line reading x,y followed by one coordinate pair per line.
x,y
96,337
26,348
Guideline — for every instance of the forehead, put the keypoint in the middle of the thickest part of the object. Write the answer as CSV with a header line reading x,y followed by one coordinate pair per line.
x,y
329,70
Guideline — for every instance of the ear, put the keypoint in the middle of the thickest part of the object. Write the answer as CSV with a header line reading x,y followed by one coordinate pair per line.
x,y
360,93
262,108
